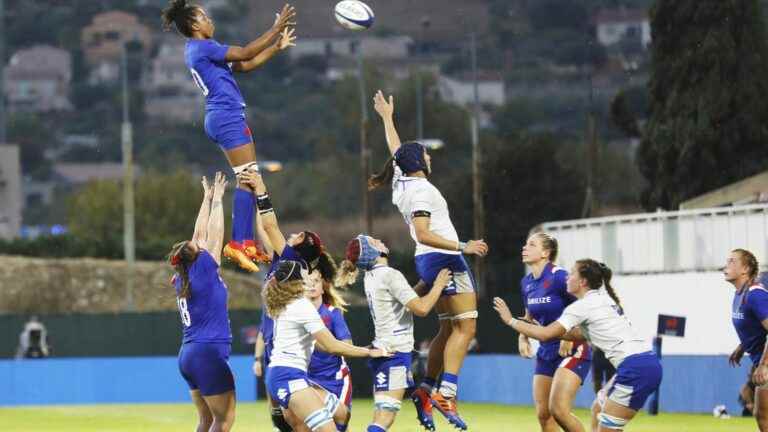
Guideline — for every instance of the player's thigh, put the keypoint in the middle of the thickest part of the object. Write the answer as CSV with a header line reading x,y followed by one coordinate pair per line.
x,y
222,405
461,303
202,408
542,387
565,384
305,402
241,155
761,401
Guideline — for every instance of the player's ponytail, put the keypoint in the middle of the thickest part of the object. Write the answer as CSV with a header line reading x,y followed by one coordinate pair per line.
x,y
607,275
597,275
384,177
332,297
349,271
179,13
327,267
181,258
347,274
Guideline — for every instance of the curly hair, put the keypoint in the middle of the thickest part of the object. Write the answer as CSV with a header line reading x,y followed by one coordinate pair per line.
x,y
277,295
180,13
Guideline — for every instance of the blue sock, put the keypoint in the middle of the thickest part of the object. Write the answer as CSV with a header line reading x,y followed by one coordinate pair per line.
x,y
449,385
341,427
375,428
242,215
428,384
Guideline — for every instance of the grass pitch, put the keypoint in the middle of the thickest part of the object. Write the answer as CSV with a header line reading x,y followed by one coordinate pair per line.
x,y
253,417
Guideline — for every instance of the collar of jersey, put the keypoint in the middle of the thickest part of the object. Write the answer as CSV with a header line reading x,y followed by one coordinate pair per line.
x,y
543,272
379,266
406,178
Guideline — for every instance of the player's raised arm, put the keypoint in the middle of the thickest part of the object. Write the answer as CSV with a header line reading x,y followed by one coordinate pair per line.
x,y
215,240
285,19
200,236
287,39
266,211
386,110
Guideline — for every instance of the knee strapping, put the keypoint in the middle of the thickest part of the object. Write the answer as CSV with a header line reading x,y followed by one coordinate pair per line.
x,y
331,403
386,403
611,422
317,419
465,315
250,166
444,317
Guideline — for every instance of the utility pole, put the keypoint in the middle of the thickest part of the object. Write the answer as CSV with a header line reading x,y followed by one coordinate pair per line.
x,y
425,23
477,172
129,231
3,134
590,137
365,152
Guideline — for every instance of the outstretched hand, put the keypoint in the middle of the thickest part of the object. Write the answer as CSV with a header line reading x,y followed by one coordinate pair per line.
x,y
502,309
287,39
285,18
219,185
207,190
382,106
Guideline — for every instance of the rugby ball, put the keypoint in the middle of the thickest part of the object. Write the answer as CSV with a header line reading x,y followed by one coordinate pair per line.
x,y
353,15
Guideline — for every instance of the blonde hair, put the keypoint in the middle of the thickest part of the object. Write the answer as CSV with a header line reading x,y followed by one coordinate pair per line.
x,y
749,261
332,297
347,274
548,243
277,295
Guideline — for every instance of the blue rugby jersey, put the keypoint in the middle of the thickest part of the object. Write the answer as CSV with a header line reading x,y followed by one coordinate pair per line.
x,y
324,366
267,328
206,60
204,314
545,299
750,308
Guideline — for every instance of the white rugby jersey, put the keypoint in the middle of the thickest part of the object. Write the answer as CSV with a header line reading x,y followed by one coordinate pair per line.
x,y
602,325
388,292
292,338
412,194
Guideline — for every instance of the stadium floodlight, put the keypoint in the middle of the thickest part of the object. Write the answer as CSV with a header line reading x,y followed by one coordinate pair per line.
x,y
271,166
433,143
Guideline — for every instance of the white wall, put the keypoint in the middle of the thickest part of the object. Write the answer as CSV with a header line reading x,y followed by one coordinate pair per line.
x,y
703,298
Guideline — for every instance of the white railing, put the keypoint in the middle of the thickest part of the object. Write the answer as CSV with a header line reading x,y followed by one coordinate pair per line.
x,y
663,242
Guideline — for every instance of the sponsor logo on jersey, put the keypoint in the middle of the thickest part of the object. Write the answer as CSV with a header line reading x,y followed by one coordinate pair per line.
x,y
540,300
